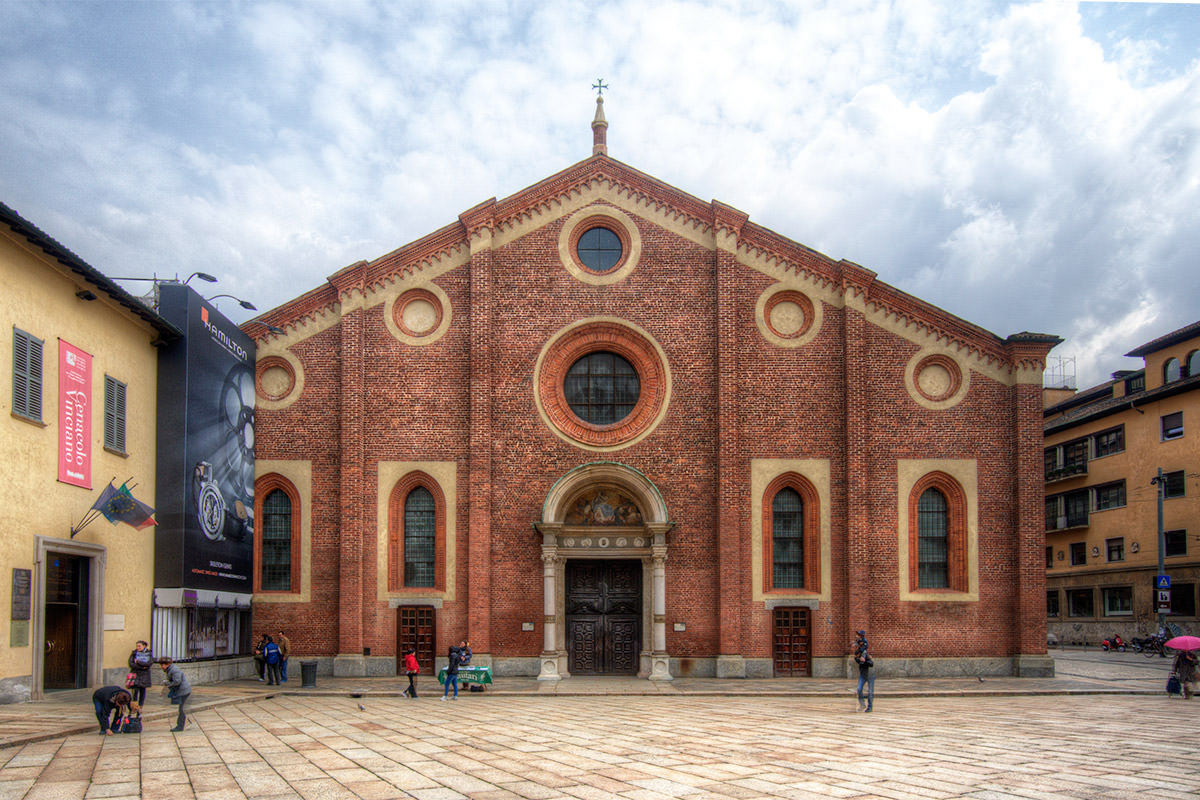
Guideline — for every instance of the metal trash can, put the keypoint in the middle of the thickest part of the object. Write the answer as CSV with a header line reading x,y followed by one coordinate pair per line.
x,y
308,674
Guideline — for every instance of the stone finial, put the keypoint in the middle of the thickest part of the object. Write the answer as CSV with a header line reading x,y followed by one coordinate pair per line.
x,y
599,130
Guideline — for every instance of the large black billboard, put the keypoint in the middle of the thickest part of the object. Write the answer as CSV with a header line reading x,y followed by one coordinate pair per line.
x,y
205,508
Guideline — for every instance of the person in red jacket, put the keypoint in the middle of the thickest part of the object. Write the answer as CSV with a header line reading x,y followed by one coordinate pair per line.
x,y
411,668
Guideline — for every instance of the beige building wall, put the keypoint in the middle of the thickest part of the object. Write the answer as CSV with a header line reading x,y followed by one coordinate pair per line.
x,y
36,510
1136,523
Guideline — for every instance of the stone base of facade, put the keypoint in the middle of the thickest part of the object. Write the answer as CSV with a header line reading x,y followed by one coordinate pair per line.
x,y
18,690
1024,666
731,667
1028,666
356,666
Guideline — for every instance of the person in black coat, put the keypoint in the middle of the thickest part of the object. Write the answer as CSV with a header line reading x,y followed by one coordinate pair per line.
x,y
112,703
140,661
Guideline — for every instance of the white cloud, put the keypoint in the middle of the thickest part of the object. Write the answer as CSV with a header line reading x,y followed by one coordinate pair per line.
x,y
991,159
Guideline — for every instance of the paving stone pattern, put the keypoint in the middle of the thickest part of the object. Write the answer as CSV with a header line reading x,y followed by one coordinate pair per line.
x,y
489,747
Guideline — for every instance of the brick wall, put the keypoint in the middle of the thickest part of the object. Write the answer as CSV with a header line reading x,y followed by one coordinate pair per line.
x,y
469,398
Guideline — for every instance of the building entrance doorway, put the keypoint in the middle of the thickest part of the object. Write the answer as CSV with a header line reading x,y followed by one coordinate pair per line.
x,y
415,629
792,642
603,616
66,622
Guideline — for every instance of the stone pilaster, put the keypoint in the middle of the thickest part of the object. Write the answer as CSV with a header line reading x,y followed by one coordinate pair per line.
x,y
733,475
479,223
351,486
857,282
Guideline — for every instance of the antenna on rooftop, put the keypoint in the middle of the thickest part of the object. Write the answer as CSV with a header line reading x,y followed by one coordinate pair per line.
x,y
1059,373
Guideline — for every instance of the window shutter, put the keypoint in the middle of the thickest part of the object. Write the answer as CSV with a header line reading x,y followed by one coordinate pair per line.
x,y
27,375
114,414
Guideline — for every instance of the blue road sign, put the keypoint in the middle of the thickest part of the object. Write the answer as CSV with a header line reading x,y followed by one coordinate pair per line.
x,y
1163,582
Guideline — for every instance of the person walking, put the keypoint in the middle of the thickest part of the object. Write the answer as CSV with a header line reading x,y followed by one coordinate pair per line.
x,y
455,656
179,689
866,672
1184,668
260,658
411,668
112,704
140,661
285,650
272,654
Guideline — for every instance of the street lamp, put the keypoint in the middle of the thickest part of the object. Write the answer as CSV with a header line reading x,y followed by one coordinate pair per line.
x,y
204,276
246,304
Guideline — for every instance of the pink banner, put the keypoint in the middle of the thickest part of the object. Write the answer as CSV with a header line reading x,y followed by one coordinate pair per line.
x,y
74,415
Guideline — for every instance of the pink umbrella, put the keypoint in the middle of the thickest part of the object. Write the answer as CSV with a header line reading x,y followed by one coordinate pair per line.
x,y
1183,643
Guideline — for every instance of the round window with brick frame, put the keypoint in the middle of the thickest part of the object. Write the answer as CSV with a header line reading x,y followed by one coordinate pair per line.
x,y
602,388
601,384
599,249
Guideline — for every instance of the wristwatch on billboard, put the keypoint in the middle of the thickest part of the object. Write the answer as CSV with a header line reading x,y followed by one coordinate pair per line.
x,y
210,504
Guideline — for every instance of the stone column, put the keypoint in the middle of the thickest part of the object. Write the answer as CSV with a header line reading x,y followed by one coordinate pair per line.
x,y
550,562
660,662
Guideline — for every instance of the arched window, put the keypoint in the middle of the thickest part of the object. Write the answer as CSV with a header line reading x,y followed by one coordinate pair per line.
x,y
1171,370
1193,363
420,539
933,554
791,531
416,534
937,529
787,546
277,535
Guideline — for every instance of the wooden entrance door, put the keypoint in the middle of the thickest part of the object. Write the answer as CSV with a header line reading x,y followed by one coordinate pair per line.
x,y
414,628
604,617
792,642
66,630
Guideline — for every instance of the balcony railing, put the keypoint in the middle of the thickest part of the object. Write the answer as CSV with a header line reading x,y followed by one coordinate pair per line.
x,y
1066,471
1062,523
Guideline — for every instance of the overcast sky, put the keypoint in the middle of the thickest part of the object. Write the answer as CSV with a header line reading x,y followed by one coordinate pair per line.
x,y
1024,166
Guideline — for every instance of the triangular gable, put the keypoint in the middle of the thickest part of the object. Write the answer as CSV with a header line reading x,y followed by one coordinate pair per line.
x,y
601,179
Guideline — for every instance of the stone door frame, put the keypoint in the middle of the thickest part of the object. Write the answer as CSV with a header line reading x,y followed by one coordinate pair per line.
x,y
646,542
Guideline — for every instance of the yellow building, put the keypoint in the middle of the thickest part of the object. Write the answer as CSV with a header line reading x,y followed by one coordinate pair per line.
x,y
1104,449
80,389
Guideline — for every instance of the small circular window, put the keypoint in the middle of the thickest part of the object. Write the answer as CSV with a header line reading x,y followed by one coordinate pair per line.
x,y
599,249
601,388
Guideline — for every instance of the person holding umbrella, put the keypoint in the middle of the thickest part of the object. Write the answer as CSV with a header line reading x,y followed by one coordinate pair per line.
x,y
1184,667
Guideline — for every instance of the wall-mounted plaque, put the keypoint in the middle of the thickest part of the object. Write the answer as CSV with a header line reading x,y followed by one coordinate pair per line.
x,y
22,586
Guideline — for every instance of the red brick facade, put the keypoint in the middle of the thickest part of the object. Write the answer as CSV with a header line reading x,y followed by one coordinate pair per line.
x,y
779,367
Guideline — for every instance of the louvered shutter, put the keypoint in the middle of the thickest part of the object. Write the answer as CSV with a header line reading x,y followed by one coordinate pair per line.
x,y
27,375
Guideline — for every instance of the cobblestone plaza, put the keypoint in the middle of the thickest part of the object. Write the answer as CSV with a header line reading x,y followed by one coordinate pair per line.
x,y
696,744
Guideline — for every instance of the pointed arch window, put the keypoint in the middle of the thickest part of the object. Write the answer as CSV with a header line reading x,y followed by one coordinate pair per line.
x,y
938,535
417,534
790,525
277,536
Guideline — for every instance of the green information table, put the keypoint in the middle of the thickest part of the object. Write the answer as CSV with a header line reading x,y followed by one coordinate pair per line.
x,y
468,675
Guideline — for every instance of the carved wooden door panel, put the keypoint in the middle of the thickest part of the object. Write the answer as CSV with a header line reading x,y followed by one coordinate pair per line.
x,y
603,611
791,634
415,629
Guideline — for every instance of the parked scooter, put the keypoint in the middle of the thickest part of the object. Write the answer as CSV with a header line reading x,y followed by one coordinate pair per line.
x,y
1113,642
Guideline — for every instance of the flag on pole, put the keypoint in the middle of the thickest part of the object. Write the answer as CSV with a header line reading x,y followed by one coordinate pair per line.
x,y
119,505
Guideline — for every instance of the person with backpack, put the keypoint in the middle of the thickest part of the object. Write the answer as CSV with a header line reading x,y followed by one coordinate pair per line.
x,y
273,656
411,668
455,657
866,672
139,679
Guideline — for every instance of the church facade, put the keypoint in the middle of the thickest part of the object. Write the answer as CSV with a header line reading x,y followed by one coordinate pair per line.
x,y
603,427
